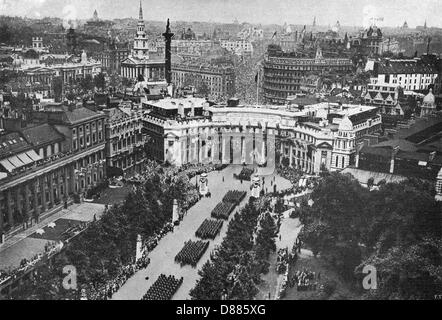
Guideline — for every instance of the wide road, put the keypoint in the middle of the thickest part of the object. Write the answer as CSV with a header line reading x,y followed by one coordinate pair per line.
x,y
163,256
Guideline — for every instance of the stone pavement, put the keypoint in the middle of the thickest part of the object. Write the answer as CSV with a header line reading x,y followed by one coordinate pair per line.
x,y
289,231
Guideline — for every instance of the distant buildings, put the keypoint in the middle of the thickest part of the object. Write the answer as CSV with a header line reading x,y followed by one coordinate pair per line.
x,y
369,42
411,74
238,47
218,81
284,73
112,56
389,97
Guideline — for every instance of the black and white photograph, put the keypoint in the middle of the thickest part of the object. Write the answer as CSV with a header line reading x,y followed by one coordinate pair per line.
x,y
244,152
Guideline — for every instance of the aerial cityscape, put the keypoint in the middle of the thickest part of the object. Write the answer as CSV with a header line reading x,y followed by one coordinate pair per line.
x,y
230,150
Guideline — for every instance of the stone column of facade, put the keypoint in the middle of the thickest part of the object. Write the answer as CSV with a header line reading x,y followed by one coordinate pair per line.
x,y
44,204
58,183
226,147
71,172
248,146
51,188
19,200
26,202
263,148
215,147
8,207
236,146
259,140
35,204
270,144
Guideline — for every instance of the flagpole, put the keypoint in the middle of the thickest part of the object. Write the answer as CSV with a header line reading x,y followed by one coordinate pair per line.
x,y
257,86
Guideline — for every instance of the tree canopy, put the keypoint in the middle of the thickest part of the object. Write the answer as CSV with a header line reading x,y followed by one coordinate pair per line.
x,y
396,228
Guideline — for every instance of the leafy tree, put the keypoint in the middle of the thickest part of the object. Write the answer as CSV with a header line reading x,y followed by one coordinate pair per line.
x,y
100,81
393,228
57,87
265,239
5,34
203,89
87,83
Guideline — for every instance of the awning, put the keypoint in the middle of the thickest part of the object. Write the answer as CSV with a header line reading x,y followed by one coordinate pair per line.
x,y
16,162
7,165
33,155
25,158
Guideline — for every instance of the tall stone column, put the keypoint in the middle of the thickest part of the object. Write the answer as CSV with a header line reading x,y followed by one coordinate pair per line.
x,y
168,53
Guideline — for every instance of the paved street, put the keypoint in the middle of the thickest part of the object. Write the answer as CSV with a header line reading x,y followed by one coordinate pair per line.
x,y
163,256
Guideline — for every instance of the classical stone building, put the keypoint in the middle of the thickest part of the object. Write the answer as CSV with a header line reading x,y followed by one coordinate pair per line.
x,y
125,140
143,61
321,136
43,164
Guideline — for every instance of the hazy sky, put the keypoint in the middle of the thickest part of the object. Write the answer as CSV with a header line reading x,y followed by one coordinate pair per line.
x,y
348,12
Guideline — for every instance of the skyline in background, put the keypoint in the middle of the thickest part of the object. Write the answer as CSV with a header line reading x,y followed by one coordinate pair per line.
x,y
298,12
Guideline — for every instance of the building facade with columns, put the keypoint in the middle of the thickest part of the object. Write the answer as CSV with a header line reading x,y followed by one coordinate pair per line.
x,y
318,137
43,165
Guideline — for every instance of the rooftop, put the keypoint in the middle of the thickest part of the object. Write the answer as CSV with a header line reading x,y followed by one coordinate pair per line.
x,y
12,143
77,115
171,103
41,134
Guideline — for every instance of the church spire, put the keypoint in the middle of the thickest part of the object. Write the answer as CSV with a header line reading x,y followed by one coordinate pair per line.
x,y
141,12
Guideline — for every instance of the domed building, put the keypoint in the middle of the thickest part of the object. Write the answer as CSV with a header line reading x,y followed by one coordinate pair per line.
x,y
429,104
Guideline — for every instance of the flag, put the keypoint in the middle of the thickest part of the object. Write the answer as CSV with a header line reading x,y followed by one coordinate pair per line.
x,y
256,77
274,34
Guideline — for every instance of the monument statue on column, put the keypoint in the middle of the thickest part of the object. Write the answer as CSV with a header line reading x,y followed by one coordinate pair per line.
x,y
168,59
